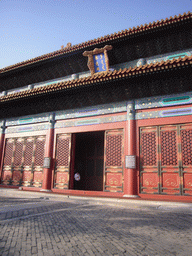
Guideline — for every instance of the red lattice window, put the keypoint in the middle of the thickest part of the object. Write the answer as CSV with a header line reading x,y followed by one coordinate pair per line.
x,y
18,152
39,151
186,146
8,152
28,154
149,148
168,148
114,150
63,150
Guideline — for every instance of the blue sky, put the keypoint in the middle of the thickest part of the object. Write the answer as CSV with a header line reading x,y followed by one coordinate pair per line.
x,y
30,28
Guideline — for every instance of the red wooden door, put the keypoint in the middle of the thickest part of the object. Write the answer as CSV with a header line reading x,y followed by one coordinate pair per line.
x,y
28,162
170,179
166,159
23,161
7,169
17,162
62,161
113,161
149,162
38,159
186,160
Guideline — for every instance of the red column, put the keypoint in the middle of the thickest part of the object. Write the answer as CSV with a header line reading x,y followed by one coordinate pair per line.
x,y
2,141
130,178
47,172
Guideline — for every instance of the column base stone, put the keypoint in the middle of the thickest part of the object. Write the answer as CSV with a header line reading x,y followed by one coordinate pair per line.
x,y
46,190
131,196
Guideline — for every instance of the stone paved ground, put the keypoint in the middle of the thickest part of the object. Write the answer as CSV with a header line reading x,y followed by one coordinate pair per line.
x,y
47,226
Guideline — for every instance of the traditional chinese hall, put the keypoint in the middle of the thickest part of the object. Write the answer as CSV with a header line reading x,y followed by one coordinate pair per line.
x,y
117,110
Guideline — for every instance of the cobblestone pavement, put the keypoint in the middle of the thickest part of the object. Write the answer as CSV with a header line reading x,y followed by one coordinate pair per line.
x,y
51,226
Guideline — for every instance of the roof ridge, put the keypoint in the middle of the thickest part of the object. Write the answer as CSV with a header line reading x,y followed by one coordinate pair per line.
x,y
101,39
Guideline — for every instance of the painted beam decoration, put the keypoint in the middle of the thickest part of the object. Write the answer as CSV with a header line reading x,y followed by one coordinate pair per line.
x,y
98,59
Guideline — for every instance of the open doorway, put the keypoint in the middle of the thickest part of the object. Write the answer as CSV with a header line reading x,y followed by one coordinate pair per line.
x,y
88,160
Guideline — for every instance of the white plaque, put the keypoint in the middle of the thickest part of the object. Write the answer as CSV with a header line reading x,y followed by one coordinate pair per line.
x,y
47,162
130,162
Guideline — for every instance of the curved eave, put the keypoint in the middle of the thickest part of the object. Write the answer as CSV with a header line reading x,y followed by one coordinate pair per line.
x,y
102,78
105,39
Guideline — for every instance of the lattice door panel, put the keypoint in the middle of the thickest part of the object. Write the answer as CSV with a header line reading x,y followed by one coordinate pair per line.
x,y
17,167
169,158
62,163
186,150
23,161
173,154
7,165
27,162
39,151
149,176
113,161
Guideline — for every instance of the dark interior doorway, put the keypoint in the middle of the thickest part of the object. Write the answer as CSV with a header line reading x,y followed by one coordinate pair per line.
x,y
89,158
